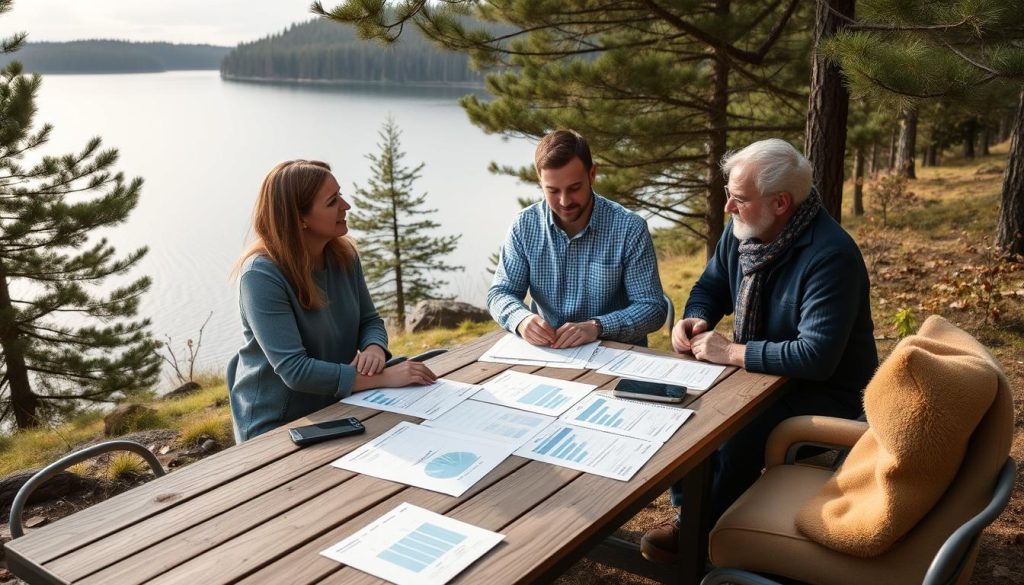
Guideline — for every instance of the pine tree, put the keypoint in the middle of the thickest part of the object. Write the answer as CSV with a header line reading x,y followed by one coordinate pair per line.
x,y
660,90
63,342
908,52
397,254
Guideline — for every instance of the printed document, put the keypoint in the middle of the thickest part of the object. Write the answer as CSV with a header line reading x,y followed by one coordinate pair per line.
x,y
602,356
632,418
413,546
696,376
591,451
512,349
431,458
538,394
426,402
492,421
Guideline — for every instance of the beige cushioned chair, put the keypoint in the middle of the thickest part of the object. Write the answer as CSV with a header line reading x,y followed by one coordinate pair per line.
x,y
906,486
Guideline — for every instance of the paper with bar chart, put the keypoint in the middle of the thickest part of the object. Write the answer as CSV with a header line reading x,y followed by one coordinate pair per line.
x,y
696,376
492,421
538,394
591,451
431,458
631,418
413,546
426,402
512,349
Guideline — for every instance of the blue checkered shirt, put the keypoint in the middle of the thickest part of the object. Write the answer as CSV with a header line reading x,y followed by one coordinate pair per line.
x,y
608,271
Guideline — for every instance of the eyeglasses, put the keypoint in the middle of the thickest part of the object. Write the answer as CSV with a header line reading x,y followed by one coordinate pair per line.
x,y
744,202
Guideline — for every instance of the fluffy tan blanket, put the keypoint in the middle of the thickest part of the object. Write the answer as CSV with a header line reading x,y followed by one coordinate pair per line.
x,y
922,406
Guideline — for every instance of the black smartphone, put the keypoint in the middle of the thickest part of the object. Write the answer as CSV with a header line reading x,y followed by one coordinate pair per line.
x,y
649,391
325,431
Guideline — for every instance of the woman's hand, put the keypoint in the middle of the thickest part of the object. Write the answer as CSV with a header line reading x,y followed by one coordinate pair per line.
x,y
407,373
370,361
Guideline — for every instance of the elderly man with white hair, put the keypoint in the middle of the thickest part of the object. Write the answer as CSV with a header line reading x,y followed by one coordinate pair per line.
x,y
799,289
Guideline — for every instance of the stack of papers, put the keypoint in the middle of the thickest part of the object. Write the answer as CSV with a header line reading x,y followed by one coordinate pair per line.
x,y
413,546
695,376
427,402
511,349
469,429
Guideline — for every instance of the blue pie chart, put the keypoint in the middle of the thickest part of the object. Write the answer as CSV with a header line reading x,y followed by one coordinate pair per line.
x,y
450,465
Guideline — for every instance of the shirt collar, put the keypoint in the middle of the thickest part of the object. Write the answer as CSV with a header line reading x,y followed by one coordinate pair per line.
x,y
596,215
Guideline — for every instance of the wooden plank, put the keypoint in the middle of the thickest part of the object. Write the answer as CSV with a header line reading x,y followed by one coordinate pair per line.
x,y
586,506
493,508
163,527
305,565
67,534
279,533
285,533
156,560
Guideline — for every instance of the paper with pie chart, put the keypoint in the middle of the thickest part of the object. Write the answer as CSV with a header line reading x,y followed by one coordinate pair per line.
x,y
431,458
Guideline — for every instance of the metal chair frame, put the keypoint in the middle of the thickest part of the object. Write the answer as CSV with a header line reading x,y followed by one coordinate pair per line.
x,y
51,470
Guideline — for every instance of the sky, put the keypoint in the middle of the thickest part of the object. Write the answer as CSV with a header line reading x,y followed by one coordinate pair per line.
x,y
217,22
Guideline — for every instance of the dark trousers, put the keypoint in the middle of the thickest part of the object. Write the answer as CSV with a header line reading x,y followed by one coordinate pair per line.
x,y
739,461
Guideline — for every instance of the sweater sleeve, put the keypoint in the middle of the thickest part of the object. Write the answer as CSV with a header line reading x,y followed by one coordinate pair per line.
x,y
711,297
265,303
827,317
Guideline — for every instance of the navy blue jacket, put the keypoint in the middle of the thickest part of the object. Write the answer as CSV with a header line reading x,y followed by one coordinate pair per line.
x,y
817,312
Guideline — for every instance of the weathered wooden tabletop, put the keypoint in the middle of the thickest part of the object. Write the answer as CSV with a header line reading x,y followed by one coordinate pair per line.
x,y
261,512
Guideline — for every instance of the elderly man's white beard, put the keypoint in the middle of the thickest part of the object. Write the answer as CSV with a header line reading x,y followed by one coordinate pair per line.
x,y
746,231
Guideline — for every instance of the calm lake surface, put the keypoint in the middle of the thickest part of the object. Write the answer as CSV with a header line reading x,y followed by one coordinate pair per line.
x,y
203,145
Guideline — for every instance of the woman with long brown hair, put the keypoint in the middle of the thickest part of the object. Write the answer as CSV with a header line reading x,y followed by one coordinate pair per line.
x,y
312,334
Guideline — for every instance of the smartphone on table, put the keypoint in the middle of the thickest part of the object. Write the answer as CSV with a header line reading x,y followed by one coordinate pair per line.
x,y
326,431
655,391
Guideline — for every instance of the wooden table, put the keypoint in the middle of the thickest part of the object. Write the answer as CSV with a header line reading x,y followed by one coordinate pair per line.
x,y
261,512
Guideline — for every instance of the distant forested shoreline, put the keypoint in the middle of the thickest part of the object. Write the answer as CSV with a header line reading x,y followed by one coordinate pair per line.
x,y
319,51
109,56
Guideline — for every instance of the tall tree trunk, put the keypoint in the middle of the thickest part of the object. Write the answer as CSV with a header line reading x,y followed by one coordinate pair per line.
x,y
24,402
892,149
874,159
827,108
1004,128
858,182
907,146
1011,208
717,144
970,136
931,154
986,139
396,240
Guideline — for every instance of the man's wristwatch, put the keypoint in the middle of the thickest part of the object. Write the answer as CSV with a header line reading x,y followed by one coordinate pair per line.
x,y
600,329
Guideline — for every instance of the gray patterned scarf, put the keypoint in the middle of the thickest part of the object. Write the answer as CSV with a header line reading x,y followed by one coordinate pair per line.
x,y
755,258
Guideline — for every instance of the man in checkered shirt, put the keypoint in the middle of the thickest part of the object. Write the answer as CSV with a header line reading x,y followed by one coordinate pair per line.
x,y
587,262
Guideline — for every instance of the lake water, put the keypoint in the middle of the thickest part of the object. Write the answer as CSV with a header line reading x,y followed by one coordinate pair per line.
x,y
203,145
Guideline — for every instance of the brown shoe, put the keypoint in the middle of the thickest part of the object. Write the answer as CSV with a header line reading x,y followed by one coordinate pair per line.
x,y
661,543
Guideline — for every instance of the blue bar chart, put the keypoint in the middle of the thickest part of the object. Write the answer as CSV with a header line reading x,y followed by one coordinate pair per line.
x,y
532,393
590,450
631,418
421,547
378,397
597,413
544,395
563,445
